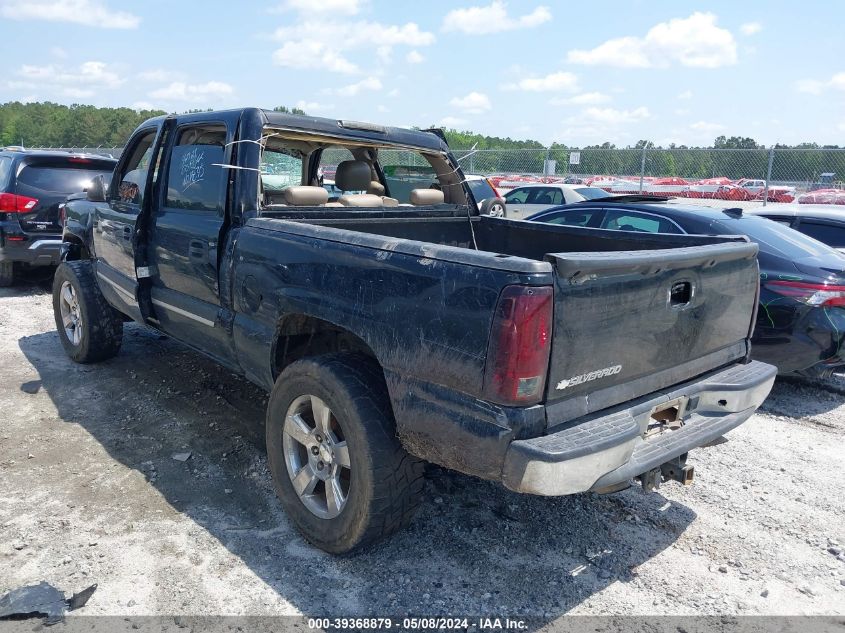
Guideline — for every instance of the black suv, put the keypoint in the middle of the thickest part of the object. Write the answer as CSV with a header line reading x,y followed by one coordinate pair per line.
x,y
33,184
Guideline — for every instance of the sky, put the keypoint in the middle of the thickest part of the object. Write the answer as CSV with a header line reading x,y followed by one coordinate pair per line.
x,y
579,74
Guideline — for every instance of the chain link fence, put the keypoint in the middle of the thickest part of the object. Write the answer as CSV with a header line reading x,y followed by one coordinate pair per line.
x,y
764,175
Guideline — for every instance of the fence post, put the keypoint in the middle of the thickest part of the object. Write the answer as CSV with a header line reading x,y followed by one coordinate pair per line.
x,y
471,163
769,175
642,166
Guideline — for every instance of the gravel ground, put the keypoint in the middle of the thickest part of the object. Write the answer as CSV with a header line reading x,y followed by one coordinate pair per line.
x,y
90,492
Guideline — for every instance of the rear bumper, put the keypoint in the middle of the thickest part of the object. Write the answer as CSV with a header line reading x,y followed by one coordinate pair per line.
x,y
41,250
610,448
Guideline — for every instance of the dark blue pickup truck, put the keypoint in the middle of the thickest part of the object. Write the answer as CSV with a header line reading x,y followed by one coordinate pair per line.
x,y
394,324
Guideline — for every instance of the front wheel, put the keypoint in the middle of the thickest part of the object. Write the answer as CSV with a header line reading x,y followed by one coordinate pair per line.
x,y
89,328
337,465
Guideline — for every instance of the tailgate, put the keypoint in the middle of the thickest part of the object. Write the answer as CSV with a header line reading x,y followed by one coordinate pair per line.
x,y
628,317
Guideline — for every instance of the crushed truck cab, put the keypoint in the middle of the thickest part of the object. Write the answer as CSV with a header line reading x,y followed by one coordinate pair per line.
x,y
392,324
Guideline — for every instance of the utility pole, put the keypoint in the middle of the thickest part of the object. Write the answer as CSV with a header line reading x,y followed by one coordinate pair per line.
x,y
642,165
769,174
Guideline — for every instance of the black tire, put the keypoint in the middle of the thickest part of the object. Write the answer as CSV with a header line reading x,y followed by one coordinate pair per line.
x,y
7,274
385,482
100,328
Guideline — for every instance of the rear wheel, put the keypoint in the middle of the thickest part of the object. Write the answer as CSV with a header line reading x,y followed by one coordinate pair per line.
x,y
89,328
337,465
7,273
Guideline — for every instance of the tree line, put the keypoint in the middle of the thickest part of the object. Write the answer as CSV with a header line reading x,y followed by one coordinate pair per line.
x,y
50,124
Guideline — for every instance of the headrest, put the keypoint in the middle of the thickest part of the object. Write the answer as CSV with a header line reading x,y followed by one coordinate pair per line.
x,y
423,197
303,196
353,175
361,200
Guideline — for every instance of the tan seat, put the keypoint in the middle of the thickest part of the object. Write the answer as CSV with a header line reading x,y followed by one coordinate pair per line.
x,y
305,196
361,200
426,197
356,175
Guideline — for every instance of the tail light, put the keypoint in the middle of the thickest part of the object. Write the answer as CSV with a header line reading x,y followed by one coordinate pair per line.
x,y
520,340
493,187
11,203
809,293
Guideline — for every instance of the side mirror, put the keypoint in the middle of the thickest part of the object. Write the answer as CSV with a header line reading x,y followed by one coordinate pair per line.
x,y
97,191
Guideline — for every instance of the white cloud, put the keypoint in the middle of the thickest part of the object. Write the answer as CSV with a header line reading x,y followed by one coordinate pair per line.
x,y
85,12
587,98
707,126
78,93
314,55
451,121
393,93
76,83
382,108
695,41
414,57
159,75
555,82
195,93
612,116
686,94
311,107
473,103
816,86
334,7
370,83
493,18
142,105
750,28
323,45
58,51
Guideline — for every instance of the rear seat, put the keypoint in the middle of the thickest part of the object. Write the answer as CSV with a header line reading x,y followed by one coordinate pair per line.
x,y
356,175
426,197
298,196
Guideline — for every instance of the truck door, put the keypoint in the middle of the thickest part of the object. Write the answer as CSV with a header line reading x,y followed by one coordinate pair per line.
x,y
184,238
115,222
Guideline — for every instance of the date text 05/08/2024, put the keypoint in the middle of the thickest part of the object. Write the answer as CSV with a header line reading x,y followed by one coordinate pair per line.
x,y
419,623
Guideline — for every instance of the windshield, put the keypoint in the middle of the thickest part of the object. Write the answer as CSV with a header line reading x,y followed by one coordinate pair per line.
x,y
481,189
780,240
591,193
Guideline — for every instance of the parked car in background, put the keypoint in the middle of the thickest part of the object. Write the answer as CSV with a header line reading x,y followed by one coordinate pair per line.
x,y
801,318
821,222
752,185
486,196
33,184
532,198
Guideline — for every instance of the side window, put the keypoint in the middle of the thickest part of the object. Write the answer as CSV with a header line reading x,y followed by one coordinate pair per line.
x,y
195,178
133,173
620,220
830,234
544,195
5,168
575,217
517,196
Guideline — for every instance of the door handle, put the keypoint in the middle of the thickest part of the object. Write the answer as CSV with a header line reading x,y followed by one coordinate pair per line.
x,y
197,249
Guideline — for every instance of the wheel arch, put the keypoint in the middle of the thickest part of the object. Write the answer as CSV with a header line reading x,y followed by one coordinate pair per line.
x,y
300,335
